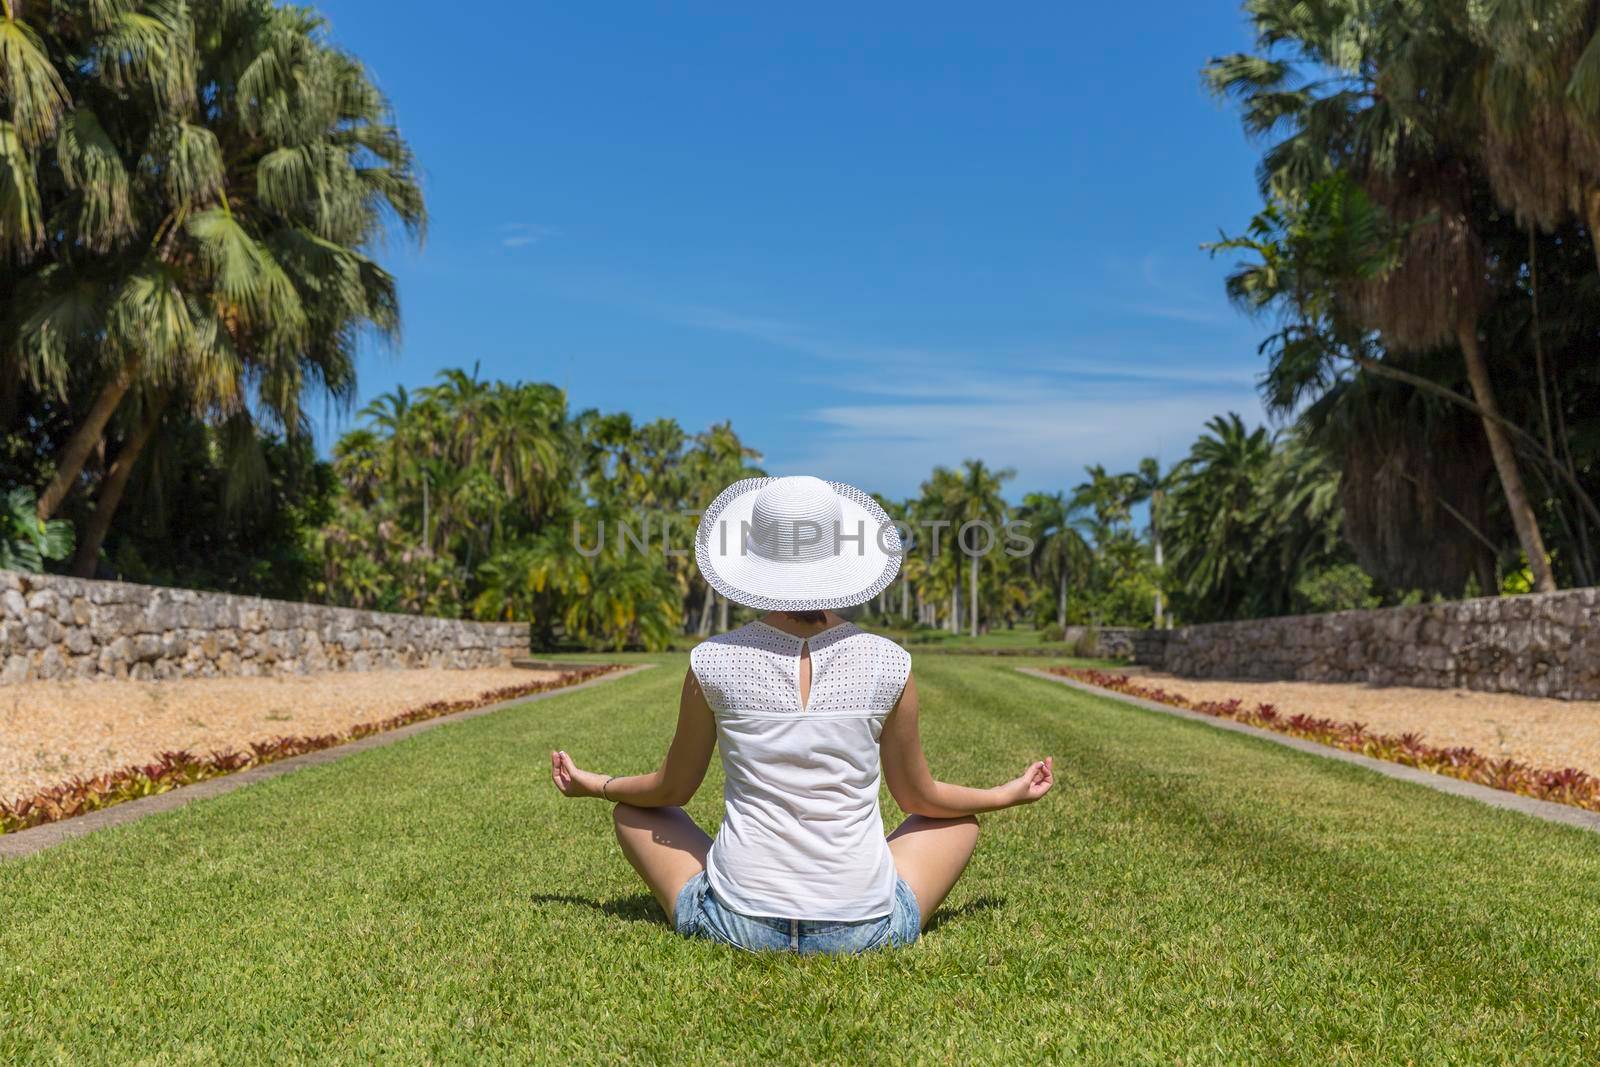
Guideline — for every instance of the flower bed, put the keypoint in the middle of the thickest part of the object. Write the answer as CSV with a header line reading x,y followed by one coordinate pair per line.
x,y
1566,786
169,770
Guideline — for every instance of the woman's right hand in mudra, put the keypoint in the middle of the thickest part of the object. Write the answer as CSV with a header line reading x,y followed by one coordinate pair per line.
x,y
571,779
1032,783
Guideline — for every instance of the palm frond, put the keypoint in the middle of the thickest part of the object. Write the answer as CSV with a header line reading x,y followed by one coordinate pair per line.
x,y
21,217
91,165
62,317
150,318
188,159
154,50
249,284
30,82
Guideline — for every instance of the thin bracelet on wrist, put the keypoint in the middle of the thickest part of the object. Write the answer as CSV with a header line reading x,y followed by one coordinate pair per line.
x,y
603,786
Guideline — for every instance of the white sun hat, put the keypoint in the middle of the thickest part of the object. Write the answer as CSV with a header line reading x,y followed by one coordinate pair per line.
x,y
796,544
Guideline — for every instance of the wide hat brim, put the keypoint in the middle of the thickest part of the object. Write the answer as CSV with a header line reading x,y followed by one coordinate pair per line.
x,y
860,568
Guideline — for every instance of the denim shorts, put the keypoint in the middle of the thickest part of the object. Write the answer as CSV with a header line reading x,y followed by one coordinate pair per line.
x,y
700,914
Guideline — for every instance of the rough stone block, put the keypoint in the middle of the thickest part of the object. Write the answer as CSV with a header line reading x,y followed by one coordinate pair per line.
x,y
18,668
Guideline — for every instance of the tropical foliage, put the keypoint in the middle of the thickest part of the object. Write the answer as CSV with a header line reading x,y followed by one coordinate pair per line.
x,y
26,540
490,499
1428,250
1247,524
189,198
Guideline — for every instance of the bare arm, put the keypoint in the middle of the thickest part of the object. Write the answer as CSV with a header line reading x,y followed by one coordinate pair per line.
x,y
914,788
679,775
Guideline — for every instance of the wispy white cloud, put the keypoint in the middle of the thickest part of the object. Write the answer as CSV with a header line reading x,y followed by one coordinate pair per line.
x,y
1162,297
1196,314
797,337
522,234
1025,381
775,332
891,412
1049,437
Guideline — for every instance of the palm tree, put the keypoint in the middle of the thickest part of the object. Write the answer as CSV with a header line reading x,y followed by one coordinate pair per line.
x,y
533,580
358,461
718,459
899,511
939,502
913,573
1384,105
1149,483
1215,507
1538,104
1061,553
187,208
976,499
629,601
1108,497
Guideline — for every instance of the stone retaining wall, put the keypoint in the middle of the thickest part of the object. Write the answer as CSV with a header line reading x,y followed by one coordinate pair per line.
x,y
55,627
1123,642
1545,644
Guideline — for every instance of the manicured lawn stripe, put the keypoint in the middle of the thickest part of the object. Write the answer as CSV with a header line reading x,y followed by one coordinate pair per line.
x,y
1186,894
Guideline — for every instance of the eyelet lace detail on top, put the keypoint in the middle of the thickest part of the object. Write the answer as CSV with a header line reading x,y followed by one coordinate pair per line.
x,y
753,670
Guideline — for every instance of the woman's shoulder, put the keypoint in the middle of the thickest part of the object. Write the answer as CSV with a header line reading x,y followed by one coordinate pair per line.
x,y
752,635
886,651
882,643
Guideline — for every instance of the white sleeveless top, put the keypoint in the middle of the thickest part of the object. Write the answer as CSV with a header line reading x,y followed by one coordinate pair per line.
x,y
802,836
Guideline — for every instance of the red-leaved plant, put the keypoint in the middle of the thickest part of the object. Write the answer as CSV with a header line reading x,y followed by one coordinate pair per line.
x,y
1566,786
170,770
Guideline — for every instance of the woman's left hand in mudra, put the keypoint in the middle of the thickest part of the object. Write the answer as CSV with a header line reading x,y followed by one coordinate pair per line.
x,y
1032,783
572,780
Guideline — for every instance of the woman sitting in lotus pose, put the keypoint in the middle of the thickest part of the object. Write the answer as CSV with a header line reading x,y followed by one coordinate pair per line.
x,y
810,711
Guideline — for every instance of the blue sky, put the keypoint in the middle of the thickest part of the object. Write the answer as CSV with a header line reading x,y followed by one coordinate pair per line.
x,y
877,237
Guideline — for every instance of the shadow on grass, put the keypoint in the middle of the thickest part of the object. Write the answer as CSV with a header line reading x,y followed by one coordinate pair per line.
x,y
962,911
639,908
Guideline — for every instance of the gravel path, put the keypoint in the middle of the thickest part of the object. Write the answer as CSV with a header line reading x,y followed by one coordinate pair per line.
x,y
51,731
1545,733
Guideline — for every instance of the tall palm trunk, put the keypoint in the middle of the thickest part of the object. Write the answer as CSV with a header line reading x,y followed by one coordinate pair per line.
x,y
1155,536
704,630
1505,459
76,453
1061,601
722,614
972,601
905,599
1591,214
10,386
954,622
112,488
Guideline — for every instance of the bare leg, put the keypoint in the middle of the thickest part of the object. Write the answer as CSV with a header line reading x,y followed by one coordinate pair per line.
x,y
665,847
930,854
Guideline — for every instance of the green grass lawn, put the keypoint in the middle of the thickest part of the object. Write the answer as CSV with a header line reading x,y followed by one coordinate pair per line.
x,y
924,639
1186,894
1001,637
